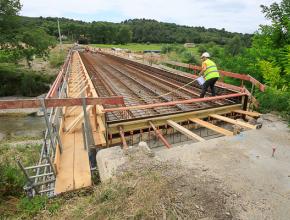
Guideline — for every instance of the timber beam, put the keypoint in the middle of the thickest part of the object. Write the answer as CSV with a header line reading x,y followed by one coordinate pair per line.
x,y
232,121
132,125
252,114
211,127
185,131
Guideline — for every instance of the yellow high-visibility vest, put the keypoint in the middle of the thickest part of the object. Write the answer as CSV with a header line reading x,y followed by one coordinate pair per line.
x,y
211,70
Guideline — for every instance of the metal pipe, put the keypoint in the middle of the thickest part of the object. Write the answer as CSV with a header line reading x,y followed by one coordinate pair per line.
x,y
41,175
159,135
27,176
37,166
125,145
84,136
48,125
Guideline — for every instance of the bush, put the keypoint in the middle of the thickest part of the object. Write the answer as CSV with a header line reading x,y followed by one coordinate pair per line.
x,y
201,48
172,48
32,206
188,57
11,181
17,81
275,100
57,59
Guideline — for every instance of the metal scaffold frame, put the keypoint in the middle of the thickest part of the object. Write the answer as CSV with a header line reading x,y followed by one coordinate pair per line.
x,y
41,177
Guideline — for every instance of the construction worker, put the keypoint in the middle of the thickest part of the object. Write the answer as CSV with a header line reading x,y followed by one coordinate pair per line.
x,y
210,72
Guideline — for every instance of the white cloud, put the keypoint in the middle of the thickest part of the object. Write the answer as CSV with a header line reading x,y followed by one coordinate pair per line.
x,y
233,15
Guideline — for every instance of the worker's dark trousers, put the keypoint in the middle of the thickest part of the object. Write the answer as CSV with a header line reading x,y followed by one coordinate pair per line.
x,y
209,83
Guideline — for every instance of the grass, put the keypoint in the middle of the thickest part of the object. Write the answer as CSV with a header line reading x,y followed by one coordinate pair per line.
x,y
57,57
11,178
132,46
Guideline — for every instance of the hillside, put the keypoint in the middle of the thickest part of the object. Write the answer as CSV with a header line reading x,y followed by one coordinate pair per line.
x,y
134,30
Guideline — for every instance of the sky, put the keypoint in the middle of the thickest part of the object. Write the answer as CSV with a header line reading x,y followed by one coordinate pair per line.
x,y
243,16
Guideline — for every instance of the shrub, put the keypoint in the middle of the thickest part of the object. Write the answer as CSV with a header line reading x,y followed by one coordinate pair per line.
x,y
275,100
57,59
17,81
32,206
11,181
188,57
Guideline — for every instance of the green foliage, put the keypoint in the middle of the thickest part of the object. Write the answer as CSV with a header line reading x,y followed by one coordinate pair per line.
x,y
17,81
8,21
11,180
271,74
124,35
179,52
132,46
279,14
18,40
37,42
57,59
202,48
188,57
9,7
234,46
31,206
143,31
8,56
275,100
167,48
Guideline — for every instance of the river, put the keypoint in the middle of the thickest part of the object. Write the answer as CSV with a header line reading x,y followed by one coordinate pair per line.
x,y
31,126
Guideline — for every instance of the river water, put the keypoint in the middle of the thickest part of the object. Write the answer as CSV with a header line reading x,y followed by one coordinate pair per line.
x,y
31,126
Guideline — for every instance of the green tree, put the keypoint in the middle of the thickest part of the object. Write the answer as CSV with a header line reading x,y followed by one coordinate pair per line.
x,y
36,42
9,29
124,35
235,46
279,14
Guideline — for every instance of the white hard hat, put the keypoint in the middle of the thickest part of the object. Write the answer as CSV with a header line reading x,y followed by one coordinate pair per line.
x,y
205,54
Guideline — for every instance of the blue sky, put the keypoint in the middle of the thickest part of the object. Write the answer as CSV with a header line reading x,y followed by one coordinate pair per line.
x,y
234,15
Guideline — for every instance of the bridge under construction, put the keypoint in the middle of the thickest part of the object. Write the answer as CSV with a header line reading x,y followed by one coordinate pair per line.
x,y
101,99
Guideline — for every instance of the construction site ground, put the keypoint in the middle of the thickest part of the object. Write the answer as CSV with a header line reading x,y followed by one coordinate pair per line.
x,y
222,178
255,184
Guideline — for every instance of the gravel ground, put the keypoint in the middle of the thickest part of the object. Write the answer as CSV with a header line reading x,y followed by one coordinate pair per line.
x,y
245,166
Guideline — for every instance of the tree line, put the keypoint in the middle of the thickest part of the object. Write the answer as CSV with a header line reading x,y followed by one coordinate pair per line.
x,y
133,30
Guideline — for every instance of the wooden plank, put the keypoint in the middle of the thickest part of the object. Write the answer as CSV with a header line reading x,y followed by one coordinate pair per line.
x,y
211,126
252,114
184,131
232,121
74,168
77,120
